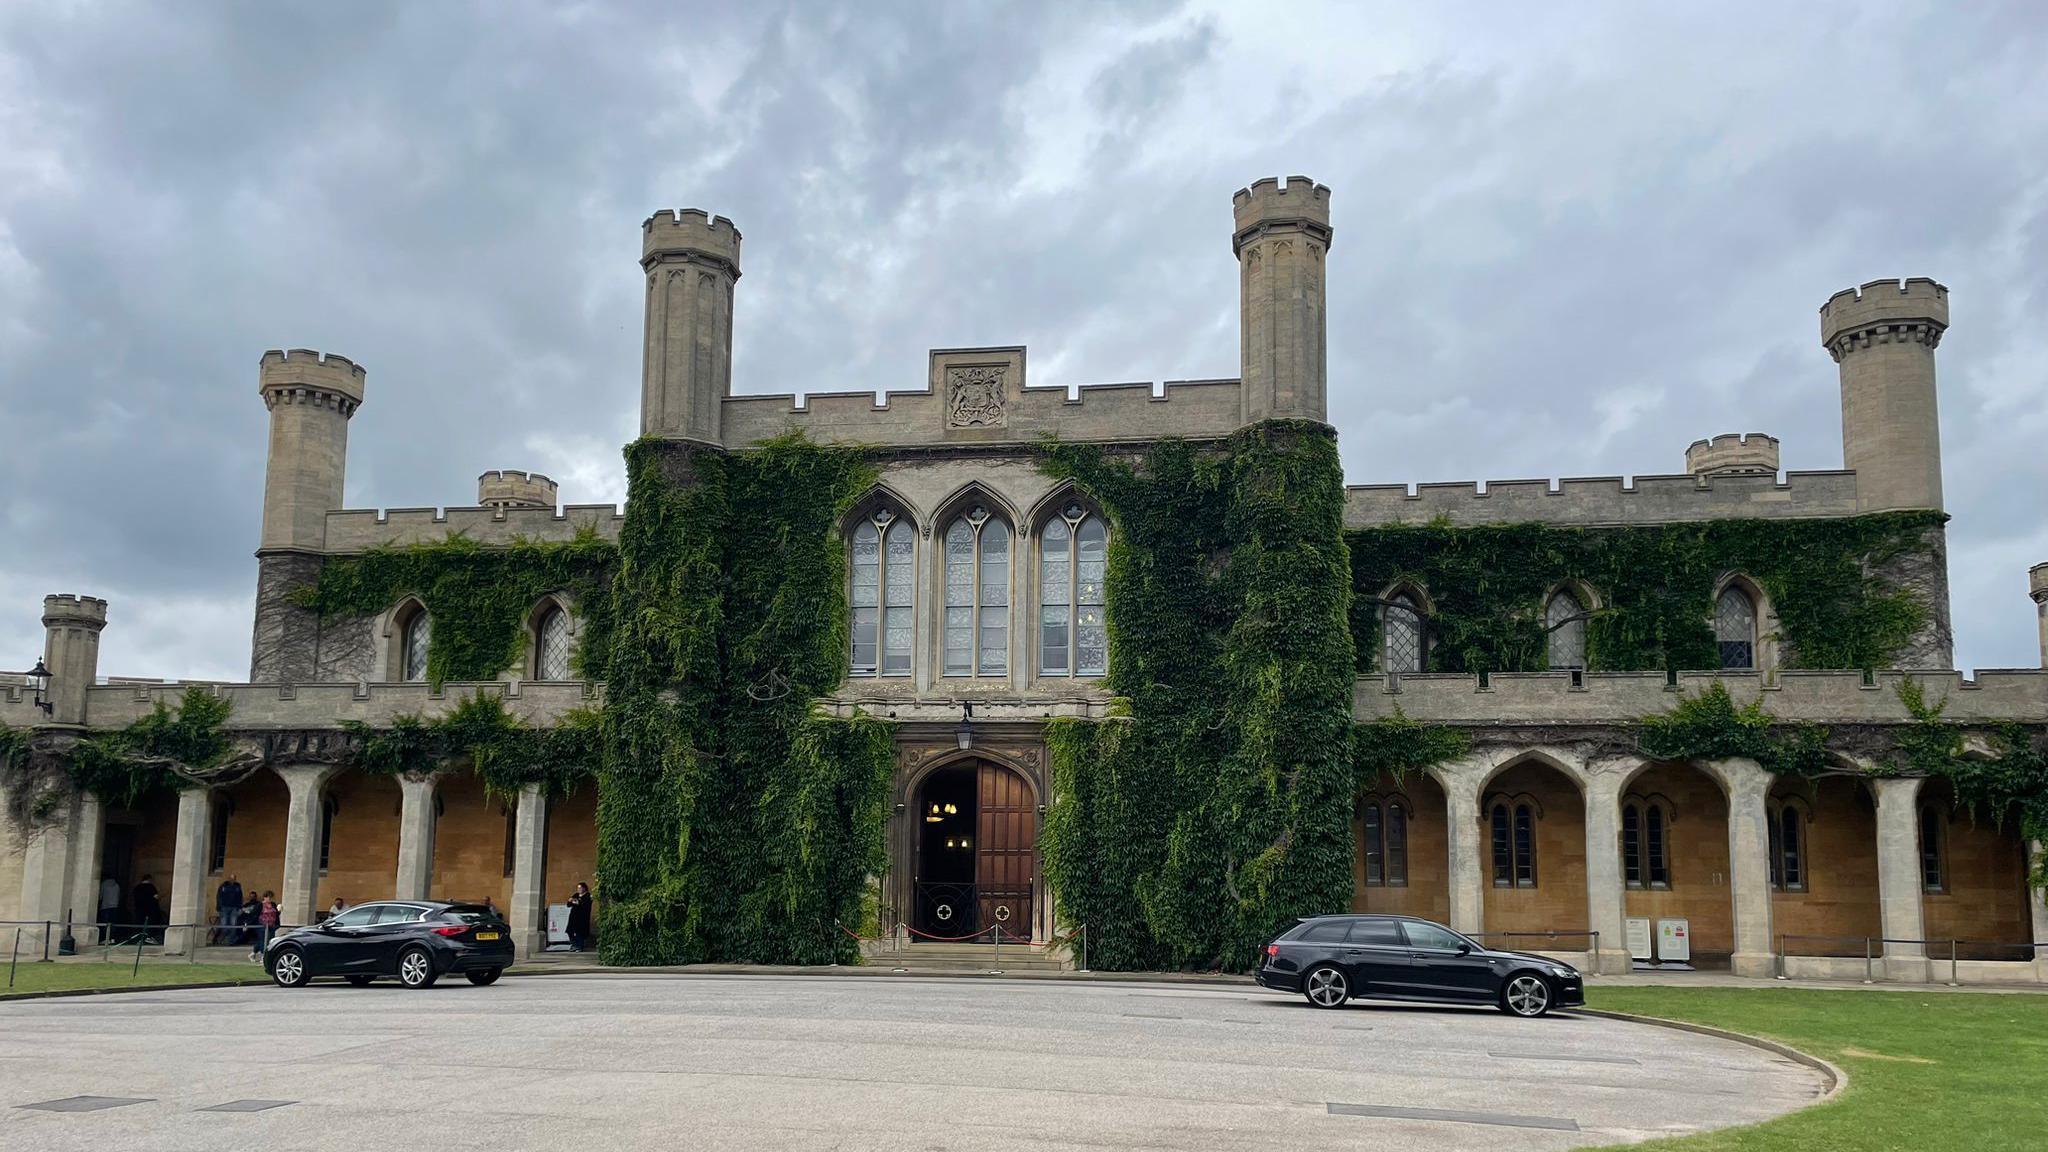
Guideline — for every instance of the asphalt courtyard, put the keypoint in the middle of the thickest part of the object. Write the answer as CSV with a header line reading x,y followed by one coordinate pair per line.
x,y
763,1062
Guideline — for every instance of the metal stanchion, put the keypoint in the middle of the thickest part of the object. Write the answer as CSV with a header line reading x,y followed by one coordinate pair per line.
x,y
1084,948
13,957
1952,981
46,941
1868,978
1781,956
141,938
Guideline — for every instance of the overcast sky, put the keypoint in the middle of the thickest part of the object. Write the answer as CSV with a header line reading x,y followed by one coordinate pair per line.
x,y
1570,240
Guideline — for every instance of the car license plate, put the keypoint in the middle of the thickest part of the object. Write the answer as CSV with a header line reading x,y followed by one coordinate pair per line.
x,y
487,935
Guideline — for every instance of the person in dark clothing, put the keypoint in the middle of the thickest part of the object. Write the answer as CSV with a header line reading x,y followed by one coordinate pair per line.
x,y
227,904
148,912
579,917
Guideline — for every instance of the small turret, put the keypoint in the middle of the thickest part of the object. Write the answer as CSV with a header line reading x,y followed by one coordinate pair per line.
x,y
509,488
311,398
1733,454
2037,586
71,651
1281,236
1883,337
692,261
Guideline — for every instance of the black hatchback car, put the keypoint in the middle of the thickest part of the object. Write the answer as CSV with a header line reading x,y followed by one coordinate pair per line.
x,y
416,941
1332,959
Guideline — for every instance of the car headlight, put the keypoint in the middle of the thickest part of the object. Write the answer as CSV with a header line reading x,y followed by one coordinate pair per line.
x,y
1562,972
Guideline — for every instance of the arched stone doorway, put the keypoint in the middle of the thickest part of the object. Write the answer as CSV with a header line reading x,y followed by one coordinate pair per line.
x,y
974,852
1674,857
1532,826
1400,859
1823,865
1973,879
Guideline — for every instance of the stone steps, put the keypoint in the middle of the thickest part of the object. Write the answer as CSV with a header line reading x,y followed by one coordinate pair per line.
x,y
945,956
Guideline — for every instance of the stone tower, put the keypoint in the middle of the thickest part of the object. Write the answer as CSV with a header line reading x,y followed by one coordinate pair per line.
x,y
692,261
1281,237
311,398
71,651
1883,336
511,488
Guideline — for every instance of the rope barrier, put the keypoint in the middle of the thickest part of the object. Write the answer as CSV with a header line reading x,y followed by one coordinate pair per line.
x,y
1001,936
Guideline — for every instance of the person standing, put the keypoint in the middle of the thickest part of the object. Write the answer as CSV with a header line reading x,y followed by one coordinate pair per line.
x,y
227,903
147,910
267,917
337,908
110,908
579,917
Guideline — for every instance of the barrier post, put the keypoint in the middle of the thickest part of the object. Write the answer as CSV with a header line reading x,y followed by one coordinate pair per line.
x,y
46,941
140,939
13,957
1952,981
1084,948
1781,956
1867,977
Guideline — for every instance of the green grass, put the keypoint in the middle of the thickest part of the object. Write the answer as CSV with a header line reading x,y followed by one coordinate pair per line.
x,y
1926,1071
58,977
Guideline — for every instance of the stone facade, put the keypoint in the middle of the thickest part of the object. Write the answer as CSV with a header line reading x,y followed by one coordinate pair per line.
x,y
962,442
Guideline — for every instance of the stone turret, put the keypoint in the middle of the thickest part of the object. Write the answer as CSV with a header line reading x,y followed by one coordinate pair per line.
x,y
692,261
509,488
1883,336
1282,234
71,650
311,398
1733,454
2037,586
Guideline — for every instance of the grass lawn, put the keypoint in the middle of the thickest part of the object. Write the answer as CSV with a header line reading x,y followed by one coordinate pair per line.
x,y
40,977
1927,1071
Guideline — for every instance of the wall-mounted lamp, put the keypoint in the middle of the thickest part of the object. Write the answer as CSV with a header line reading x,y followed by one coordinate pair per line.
x,y
964,734
39,679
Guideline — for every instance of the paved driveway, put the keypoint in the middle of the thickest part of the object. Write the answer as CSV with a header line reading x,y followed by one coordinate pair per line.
x,y
690,1062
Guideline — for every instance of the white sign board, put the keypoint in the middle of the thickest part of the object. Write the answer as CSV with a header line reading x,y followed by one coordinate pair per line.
x,y
558,924
1639,937
1674,940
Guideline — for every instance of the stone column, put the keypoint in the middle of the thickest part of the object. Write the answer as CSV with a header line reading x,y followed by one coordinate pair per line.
x,y
1898,876
1467,876
1749,865
45,878
188,870
529,909
298,899
2037,912
416,836
81,907
1605,908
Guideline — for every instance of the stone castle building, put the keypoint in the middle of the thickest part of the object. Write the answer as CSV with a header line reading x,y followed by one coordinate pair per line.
x,y
978,613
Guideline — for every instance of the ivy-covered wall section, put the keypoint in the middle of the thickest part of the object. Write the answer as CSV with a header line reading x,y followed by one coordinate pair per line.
x,y
733,823
1831,583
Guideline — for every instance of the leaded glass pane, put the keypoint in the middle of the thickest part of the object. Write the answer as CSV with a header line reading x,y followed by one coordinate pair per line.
x,y
1403,627
1567,636
867,566
1091,643
865,622
899,555
1632,846
994,659
1735,628
1794,868
1653,839
553,660
1503,853
1930,849
1397,844
1525,848
896,642
1052,639
418,634
1093,549
1375,855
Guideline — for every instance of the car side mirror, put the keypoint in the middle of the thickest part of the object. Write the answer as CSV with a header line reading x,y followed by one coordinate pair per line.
x,y
1464,949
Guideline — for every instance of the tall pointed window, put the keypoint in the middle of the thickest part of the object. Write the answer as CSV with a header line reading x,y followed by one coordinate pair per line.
x,y
1385,828
1735,628
1788,861
1402,645
977,595
418,634
1932,829
884,582
1565,618
1073,639
1514,845
551,646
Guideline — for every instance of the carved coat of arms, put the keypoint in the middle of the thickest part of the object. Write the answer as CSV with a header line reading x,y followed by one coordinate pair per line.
x,y
974,397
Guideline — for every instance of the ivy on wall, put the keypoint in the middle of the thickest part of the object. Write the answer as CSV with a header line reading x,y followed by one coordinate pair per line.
x,y
478,597
481,734
1219,808
1709,726
166,750
1487,583
733,823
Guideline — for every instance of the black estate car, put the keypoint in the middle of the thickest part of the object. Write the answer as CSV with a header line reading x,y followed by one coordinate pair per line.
x,y
417,941
1331,959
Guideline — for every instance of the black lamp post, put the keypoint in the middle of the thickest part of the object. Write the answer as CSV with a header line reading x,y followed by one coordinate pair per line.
x,y
39,679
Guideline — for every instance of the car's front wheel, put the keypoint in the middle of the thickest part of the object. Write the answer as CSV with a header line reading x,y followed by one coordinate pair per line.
x,y
1326,987
416,968
484,976
1526,995
288,968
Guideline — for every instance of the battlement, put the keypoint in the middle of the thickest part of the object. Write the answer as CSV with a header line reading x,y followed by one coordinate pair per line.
x,y
75,611
1733,453
510,488
690,230
2037,582
1301,202
1915,302
260,707
303,368
361,529
1606,500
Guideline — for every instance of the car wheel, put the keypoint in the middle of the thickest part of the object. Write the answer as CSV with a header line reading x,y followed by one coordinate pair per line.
x,y
484,976
359,981
288,968
1326,987
416,968
1526,995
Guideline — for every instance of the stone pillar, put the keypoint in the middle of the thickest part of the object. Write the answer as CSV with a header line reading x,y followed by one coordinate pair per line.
x,y
298,900
416,836
2037,911
1467,873
189,901
2037,586
528,913
1898,876
692,262
81,906
1749,865
1605,907
1281,235
45,879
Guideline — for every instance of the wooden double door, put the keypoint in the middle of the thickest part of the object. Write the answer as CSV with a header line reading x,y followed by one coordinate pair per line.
x,y
1005,850
977,845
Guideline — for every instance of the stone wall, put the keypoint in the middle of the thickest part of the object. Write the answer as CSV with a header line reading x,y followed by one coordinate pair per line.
x,y
1606,500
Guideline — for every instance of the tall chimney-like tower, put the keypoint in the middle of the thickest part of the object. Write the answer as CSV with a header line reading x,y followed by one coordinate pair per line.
x,y
692,262
1883,336
1281,238
311,398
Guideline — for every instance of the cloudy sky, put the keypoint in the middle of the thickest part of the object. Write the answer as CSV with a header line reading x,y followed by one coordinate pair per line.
x,y
1570,240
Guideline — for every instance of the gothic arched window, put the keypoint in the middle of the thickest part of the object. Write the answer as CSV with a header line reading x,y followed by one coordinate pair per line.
x,y
1073,638
551,646
1514,846
1735,628
1565,618
418,634
1788,862
884,584
1933,874
1402,647
977,595
1386,843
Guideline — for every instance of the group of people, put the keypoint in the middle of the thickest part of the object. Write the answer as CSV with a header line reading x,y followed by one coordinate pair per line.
x,y
145,904
244,918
